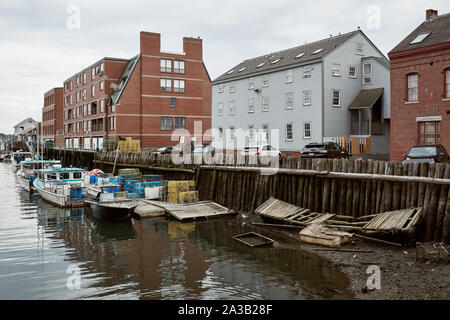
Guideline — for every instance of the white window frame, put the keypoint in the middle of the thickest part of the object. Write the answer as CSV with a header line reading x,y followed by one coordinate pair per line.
x,y
359,50
232,87
336,70
178,66
251,105
163,85
101,85
367,75
93,90
220,88
447,83
232,107
339,98
307,101
289,100
179,85
165,65
263,109
289,76
265,80
350,73
251,83
251,132
286,132
413,92
102,105
220,109
305,130
264,132
307,72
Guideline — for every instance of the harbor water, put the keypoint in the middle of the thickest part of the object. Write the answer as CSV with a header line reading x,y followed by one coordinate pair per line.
x,y
52,253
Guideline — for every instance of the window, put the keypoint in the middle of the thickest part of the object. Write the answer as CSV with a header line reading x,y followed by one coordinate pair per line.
x,y
359,49
299,55
307,72
101,67
232,137
241,69
251,105
447,83
265,80
317,51
289,133
265,132
220,88
102,105
420,38
92,90
220,132
367,73
84,94
166,85
232,87
289,100
94,108
232,107
101,85
265,103
178,85
429,132
178,66
261,64
166,65
92,73
180,123
84,77
307,97
307,130
251,83
413,87
166,123
336,70
231,71
288,76
275,61
251,133
220,108
173,102
336,98
352,72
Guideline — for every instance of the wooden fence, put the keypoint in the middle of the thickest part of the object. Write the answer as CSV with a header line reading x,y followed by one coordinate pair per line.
x,y
353,188
354,145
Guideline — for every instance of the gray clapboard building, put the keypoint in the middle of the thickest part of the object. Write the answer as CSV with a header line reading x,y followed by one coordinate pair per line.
x,y
335,89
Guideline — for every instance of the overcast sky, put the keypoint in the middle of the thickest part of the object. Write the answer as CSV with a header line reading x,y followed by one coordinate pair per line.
x,y
42,42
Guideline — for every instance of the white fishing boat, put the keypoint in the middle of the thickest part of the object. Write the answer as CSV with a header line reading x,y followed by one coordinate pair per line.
x,y
29,171
63,187
18,157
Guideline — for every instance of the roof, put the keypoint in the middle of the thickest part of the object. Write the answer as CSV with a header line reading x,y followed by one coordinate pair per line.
x,y
439,28
366,98
61,170
41,161
286,57
31,120
381,60
124,77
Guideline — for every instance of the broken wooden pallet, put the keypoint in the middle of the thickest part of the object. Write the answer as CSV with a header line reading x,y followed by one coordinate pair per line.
x,y
276,209
401,220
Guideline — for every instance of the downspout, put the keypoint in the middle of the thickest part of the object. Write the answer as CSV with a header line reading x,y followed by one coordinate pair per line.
x,y
323,99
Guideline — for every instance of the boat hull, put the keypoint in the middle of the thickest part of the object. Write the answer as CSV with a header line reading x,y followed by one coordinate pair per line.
x,y
108,212
54,198
26,184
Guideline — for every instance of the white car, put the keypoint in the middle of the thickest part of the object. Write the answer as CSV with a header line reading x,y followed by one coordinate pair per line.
x,y
262,150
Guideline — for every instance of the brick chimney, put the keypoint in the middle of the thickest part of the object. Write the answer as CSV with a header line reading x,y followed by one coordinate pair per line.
x,y
431,13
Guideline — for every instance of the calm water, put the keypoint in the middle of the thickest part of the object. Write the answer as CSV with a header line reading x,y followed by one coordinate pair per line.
x,y
41,245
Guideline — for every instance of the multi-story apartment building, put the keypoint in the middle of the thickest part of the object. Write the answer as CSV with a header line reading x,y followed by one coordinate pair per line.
x,y
52,115
420,82
320,91
145,97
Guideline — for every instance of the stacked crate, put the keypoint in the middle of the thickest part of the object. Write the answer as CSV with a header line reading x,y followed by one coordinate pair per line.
x,y
182,192
130,146
131,173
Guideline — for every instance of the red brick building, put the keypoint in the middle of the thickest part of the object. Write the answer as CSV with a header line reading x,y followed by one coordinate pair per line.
x,y
52,114
420,86
145,97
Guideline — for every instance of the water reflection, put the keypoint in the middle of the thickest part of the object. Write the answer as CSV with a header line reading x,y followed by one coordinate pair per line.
x,y
148,259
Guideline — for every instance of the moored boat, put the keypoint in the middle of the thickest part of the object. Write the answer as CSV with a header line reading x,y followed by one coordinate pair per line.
x,y
29,171
18,157
112,210
62,187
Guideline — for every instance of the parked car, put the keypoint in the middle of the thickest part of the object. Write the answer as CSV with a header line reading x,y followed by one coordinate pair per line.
x,y
324,150
427,153
166,150
262,150
205,149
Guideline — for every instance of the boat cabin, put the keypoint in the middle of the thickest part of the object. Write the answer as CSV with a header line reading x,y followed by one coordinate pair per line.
x,y
62,175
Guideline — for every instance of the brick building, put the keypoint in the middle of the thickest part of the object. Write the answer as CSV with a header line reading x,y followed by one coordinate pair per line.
x,y
145,97
420,86
52,115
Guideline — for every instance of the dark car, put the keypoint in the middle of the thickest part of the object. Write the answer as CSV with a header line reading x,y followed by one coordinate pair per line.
x,y
166,150
324,150
427,153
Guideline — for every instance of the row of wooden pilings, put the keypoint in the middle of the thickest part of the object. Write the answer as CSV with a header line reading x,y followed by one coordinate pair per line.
x,y
352,188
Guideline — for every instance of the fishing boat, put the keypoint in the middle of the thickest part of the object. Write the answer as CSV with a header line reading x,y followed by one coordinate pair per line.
x,y
29,171
62,187
112,210
18,157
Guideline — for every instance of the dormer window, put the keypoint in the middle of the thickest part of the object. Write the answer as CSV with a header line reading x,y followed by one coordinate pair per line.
x,y
241,69
261,64
299,55
275,61
317,51
230,72
420,38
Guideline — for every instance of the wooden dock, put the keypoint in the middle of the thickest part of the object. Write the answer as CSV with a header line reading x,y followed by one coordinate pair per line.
x,y
280,210
195,210
147,210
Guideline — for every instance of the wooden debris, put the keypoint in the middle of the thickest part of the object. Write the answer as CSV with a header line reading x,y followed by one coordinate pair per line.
x,y
148,210
320,235
401,220
254,239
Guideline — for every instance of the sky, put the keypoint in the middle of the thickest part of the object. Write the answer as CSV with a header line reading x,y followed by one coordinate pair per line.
x,y
44,42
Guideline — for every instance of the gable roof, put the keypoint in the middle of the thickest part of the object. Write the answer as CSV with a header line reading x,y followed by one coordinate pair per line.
x,y
366,98
381,60
439,28
288,57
